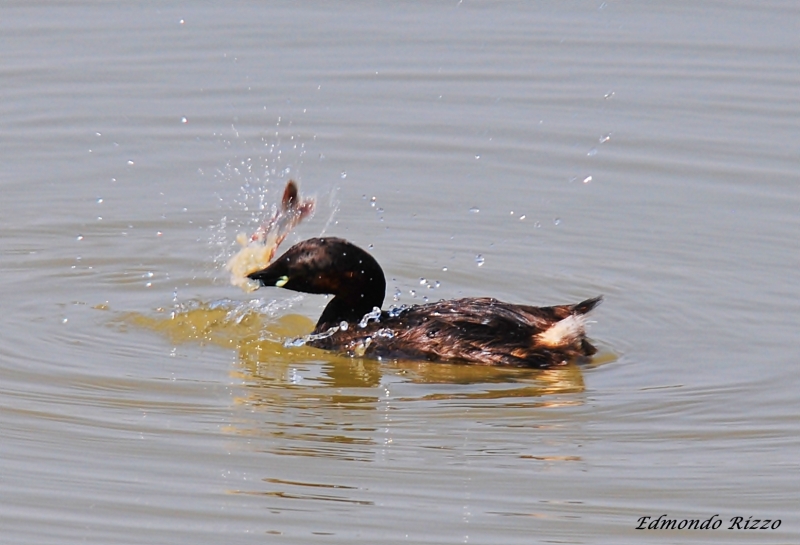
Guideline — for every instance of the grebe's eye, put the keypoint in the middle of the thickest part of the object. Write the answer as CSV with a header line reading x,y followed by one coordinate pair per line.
x,y
282,281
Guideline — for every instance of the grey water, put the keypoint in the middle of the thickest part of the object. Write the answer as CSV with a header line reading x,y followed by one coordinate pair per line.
x,y
538,152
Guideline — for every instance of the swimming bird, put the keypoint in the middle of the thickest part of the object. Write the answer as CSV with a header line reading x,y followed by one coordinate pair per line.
x,y
481,330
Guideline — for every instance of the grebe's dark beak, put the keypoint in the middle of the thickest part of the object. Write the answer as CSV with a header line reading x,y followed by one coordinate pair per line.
x,y
270,277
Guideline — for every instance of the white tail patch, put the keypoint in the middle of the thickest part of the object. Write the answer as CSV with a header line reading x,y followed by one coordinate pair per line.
x,y
563,332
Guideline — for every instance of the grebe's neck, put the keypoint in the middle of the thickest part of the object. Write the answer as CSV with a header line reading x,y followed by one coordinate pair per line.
x,y
351,311
358,285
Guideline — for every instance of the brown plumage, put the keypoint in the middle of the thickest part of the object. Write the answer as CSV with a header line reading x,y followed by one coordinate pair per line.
x,y
473,330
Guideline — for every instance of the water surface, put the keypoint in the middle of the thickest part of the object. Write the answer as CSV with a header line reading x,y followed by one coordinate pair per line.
x,y
537,153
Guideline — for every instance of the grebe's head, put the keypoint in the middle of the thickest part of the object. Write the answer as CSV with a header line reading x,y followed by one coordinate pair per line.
x,y
328,265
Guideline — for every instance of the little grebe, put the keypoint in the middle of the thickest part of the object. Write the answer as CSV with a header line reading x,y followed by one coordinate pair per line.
x,y
473,330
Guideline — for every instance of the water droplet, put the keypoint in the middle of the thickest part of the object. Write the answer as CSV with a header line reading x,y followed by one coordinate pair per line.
x,y
130,162
522,217
477,156
605,138
184,120
479,259
372,201
295,377
592,152
343,325
437,284
343,175
413,293
397,294
99,201
79,237
556,221
444,269
474,209
537,224
587,179
608,95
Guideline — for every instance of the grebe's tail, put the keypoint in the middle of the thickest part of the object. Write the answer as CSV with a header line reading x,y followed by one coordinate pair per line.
x,y
585,306
571,331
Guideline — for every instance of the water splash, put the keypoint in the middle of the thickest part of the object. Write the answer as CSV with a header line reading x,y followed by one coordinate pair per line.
x,y
252,180
374,314
305,339
385,333
361,346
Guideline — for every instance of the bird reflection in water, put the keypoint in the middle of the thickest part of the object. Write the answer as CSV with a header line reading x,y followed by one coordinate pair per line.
x,y
262,335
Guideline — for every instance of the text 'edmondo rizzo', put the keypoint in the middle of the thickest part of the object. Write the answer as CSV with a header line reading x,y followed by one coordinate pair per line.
x,y
711,523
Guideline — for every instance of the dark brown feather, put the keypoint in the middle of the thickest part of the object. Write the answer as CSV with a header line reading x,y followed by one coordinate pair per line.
x,y
480,331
